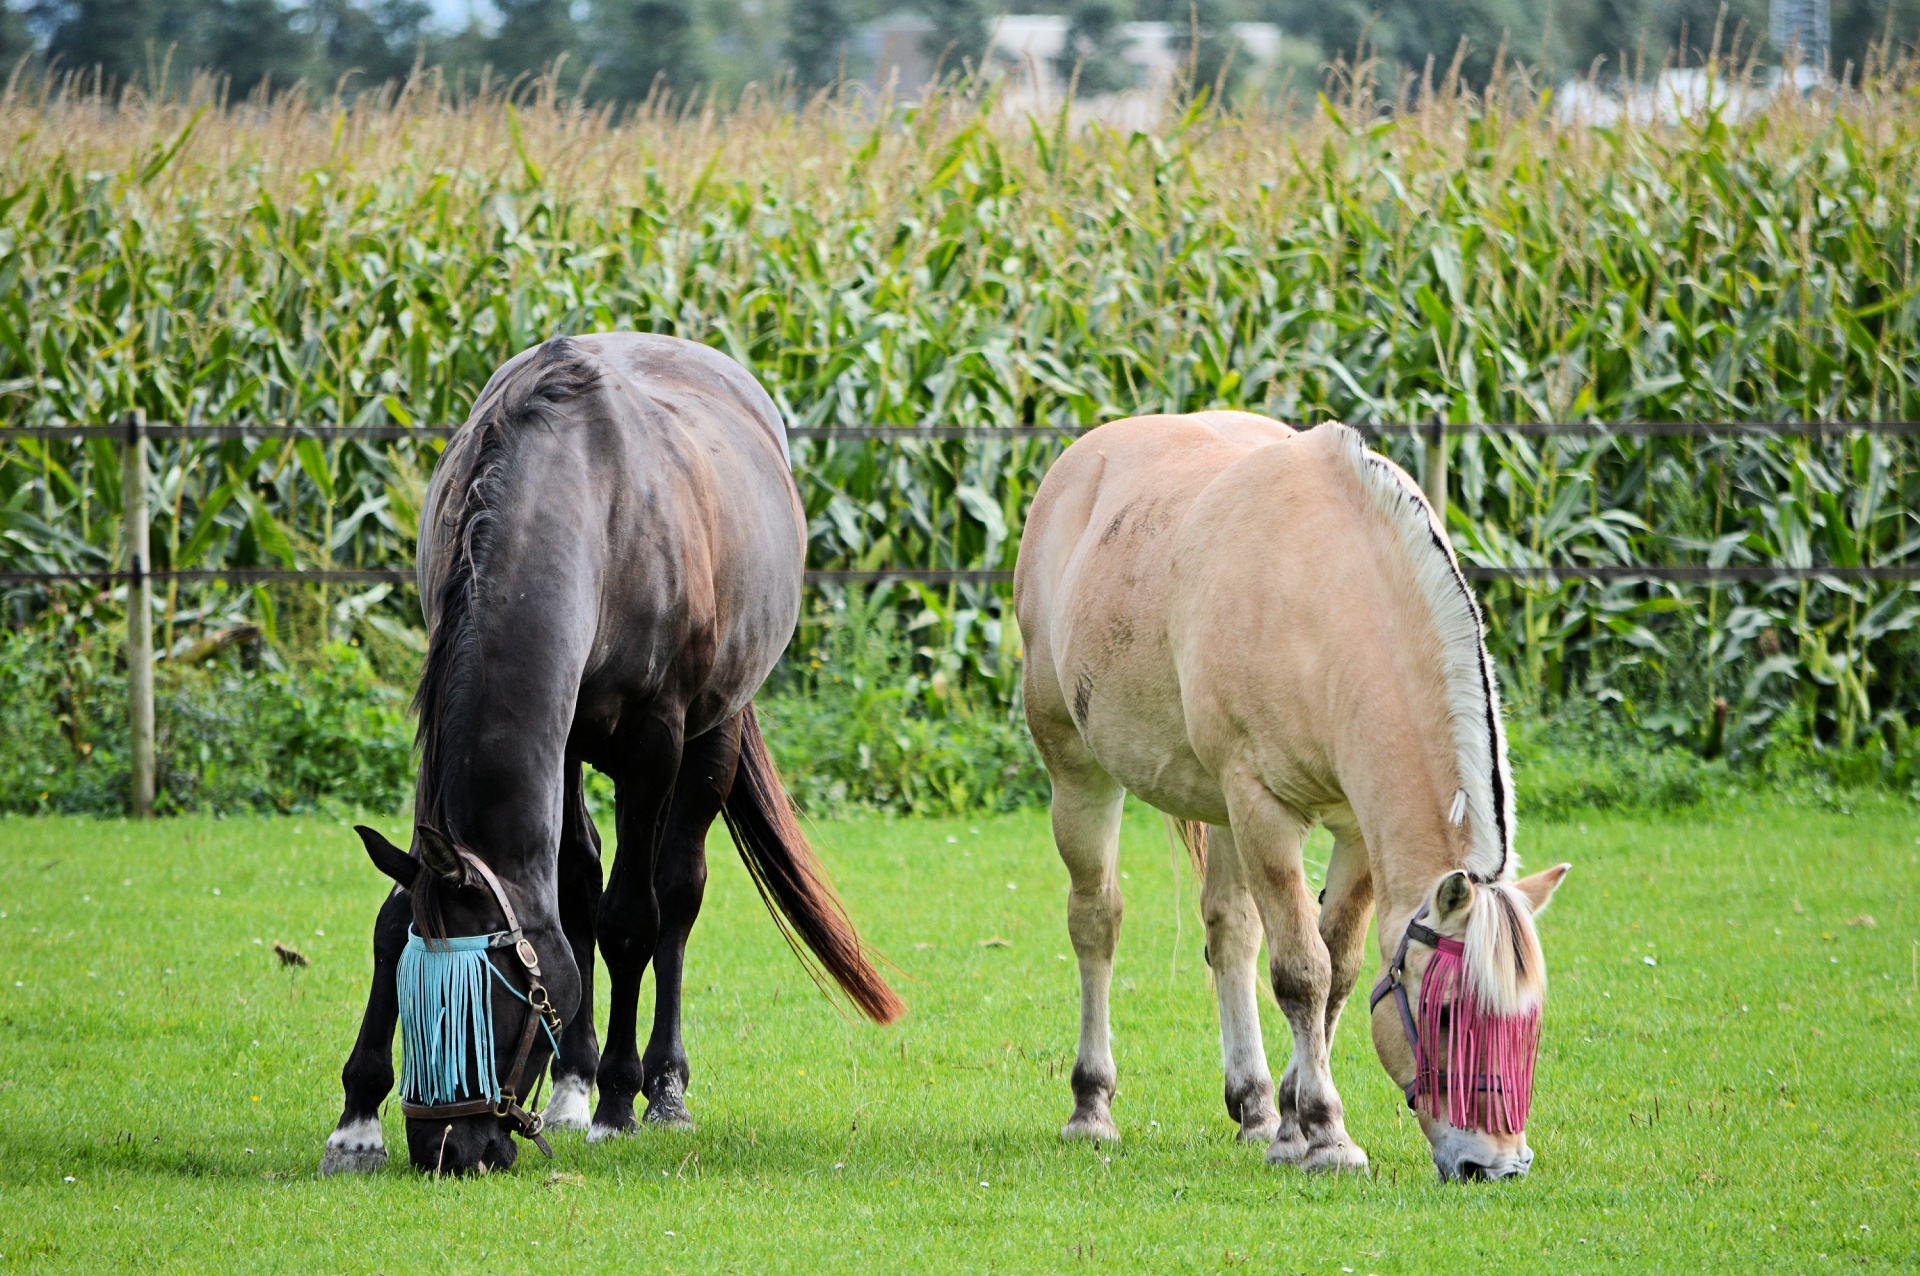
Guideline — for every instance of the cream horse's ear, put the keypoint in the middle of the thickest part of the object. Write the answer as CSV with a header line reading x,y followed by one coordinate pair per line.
x,y
1451,898
1540,887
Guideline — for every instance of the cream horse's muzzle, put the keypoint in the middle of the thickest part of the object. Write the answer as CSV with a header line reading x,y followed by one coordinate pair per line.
x,y
1471,1156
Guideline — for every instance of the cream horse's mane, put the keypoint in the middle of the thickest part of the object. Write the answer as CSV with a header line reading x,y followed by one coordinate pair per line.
x,y
1485,798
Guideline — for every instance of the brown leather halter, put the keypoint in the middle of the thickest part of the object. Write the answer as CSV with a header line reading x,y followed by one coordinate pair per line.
x,y
527,1124
1425,1079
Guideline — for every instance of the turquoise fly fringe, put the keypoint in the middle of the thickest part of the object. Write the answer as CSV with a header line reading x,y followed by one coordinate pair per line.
x,y
446,1018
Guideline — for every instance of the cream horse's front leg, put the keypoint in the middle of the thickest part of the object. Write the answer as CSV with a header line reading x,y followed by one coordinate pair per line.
x,y
1233,950
1269,837
1345,906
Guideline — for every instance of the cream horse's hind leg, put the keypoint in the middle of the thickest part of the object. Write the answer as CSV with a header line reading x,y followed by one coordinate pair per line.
x,y
1233,949
1269,836
1345,907
1086,827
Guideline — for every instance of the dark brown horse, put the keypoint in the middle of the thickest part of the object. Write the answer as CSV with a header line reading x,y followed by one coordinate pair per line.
x,y
611,555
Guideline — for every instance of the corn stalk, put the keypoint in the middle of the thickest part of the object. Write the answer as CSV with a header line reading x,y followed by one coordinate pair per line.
x,y
373,262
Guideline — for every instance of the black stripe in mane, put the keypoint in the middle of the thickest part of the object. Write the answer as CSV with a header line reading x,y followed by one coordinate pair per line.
x,y
1486,683
1486,699
469,496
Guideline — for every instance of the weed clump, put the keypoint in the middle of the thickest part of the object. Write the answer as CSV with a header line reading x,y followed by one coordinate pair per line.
x,y
866,719
232,736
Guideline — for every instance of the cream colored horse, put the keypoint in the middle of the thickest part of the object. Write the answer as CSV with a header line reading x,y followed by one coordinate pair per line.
x,y
1261,630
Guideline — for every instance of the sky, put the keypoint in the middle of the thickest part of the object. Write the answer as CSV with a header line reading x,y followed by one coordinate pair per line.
x,y
451,15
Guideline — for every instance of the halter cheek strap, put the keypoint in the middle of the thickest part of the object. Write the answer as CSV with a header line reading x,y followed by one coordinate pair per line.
x,y
526,1123
1390,985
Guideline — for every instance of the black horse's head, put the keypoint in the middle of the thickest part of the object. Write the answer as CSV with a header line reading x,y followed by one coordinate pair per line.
x,y
455,897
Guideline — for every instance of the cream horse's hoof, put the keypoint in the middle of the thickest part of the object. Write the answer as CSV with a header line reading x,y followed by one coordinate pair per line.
x,y
1289,1146
1344,1157
1090,1127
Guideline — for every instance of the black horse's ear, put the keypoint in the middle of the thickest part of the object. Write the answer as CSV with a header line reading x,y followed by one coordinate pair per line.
x,y
436,850
388,858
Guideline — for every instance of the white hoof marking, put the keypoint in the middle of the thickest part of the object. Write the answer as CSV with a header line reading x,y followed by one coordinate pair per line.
x,y
568,1109
601,1133
355,1148
363,1135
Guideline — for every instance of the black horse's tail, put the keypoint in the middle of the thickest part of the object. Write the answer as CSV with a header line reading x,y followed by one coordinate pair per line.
x,y
792,882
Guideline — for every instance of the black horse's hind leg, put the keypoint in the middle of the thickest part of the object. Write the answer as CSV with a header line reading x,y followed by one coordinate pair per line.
x,y
629,916
679,884
579,873
356,1145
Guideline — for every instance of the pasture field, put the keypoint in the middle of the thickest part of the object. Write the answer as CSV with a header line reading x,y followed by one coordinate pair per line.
x,y
1728,1079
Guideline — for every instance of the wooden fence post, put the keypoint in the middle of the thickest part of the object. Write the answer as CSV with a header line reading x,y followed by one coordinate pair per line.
x,y
139,617
1433,470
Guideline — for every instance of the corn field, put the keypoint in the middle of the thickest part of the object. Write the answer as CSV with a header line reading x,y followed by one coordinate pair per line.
x,y
299,260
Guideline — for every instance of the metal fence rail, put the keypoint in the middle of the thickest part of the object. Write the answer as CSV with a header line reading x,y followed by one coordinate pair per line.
x,y
161,431
1433,432
1605,575
136,433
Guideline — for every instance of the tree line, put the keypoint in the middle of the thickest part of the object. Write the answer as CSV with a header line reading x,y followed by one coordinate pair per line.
x,y
622,50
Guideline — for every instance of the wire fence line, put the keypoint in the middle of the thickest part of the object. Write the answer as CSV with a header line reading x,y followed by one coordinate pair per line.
x,y
1433,431
163,431
1609,574
973,479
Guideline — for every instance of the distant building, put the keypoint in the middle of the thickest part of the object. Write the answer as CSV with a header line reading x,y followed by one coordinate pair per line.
x,y
1679,94
892,52
1025,47
1803,28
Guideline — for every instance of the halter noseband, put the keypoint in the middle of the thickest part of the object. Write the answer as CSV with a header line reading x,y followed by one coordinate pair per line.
x,y
1429,1077
540,1013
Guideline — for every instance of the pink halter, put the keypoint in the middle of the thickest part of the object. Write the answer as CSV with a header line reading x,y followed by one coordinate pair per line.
x,y
1496,1051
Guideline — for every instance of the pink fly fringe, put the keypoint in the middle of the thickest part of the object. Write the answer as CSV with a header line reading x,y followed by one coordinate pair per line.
x,y
1481,1047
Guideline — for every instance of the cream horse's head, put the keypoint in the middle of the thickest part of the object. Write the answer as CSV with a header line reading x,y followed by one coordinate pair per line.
x,y
1463,1049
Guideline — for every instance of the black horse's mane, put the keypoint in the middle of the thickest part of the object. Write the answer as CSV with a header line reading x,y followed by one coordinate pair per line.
x,y
470,495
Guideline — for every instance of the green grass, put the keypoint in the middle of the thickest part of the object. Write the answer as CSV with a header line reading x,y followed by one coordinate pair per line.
x,y
1749,1102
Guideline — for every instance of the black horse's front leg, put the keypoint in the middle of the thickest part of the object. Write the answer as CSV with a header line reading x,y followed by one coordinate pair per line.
x,y
679,886
580,887
356,1145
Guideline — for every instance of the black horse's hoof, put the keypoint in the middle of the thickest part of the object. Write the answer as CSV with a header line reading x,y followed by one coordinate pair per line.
x,y
355,1147
667,1104
353,1158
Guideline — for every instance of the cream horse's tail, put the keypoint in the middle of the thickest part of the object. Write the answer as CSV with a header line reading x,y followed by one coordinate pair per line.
x,y
1192,835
